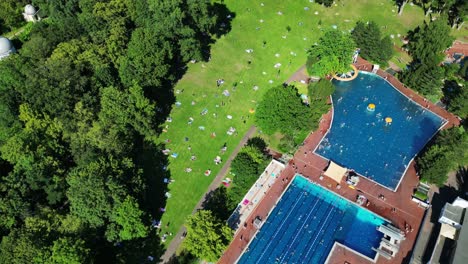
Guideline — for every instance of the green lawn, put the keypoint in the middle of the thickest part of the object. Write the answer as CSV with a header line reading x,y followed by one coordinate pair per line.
x,y
229,61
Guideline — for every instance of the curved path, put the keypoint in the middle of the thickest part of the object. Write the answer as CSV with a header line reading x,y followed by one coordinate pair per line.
x,y
356,72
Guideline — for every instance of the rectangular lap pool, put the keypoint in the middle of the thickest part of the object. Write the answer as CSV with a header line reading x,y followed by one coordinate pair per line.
x,y
306,222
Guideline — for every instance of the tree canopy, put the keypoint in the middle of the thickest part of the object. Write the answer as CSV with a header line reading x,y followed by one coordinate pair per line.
x,y
446,153
207,236
282,110
427,45
333,53
373,46
81,98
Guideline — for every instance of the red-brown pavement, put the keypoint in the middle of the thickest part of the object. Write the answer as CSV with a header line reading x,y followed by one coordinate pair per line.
x,y
396,207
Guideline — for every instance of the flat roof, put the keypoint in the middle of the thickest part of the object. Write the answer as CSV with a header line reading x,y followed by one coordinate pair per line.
x,y
453,213
461,252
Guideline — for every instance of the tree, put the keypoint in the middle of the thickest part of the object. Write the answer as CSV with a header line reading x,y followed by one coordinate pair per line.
x,y
127,217
21,246
424,78
92,192
69,251
433,165
458,103
258,143
428,43
445,154
321,90
281,110
148,60
207,236
244,166
373,47
10,13
78,105
217,203
319,93
332,54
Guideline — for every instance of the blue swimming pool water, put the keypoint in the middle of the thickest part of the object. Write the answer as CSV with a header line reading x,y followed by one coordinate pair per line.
x,y
361,140
305,224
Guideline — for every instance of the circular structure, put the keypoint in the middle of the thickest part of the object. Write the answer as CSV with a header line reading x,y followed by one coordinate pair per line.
x,y
388,120
29,10
371,107
345,77
6,48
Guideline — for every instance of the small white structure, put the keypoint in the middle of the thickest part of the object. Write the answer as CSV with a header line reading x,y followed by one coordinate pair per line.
x,y
391,241
30,14
335,172
6,48
375,68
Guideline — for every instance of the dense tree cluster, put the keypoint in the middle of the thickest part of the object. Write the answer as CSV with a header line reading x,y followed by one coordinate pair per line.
x,y
427,45
80,101
281,110
455,89
447,152
333,53
207,236
373,47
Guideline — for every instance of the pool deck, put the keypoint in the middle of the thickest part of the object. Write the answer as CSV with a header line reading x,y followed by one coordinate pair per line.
x,y
307,163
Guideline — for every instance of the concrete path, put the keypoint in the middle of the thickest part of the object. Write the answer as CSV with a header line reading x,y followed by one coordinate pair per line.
x,y
175,243
300,74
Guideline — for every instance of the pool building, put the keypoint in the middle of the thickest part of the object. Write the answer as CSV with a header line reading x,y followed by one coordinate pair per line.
x,y
308,221
374,130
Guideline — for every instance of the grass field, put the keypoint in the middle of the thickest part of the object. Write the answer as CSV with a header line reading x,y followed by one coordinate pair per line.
x,y
252,25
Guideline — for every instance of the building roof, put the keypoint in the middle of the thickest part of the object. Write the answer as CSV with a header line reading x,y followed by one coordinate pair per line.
x,y
5,46
453,213
448,231
29,10
461,254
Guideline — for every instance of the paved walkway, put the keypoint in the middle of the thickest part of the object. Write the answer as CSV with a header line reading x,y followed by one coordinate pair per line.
x,y
299,75
175,243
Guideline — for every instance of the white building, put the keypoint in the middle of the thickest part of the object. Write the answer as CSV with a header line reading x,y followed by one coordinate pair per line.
x,y
6,47
453,232
30,14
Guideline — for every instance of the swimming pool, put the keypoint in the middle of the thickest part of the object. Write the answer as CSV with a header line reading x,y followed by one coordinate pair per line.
x,y
361,140
306,222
